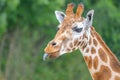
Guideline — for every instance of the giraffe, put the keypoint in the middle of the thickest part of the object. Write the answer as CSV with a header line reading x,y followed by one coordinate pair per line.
x,y
76,32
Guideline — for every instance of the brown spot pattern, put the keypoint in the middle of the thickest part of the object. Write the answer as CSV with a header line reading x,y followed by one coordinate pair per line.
x,y
84,36
95,62
95,42
102,55
68,49
73,49
71,45
92,34
90,42
93,51
117,78
75,42
103,74
115,65
79,43
87,50
84,46
80,37
88,61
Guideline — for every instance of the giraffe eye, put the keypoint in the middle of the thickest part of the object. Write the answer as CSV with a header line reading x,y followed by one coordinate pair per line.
x,y
76,29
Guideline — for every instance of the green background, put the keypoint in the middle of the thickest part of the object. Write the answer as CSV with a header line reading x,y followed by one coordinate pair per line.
x,y
26,26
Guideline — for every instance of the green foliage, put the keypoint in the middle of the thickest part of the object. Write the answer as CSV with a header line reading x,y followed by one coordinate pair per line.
x,y
3,23
26,26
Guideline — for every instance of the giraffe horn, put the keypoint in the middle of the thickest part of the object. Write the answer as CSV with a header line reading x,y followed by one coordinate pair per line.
x,y
79,10
69,9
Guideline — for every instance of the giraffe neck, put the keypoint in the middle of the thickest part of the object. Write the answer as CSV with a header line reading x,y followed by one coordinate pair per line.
x,y
101,62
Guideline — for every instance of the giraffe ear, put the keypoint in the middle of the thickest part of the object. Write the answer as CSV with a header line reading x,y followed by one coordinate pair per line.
x,y
60,16
89,19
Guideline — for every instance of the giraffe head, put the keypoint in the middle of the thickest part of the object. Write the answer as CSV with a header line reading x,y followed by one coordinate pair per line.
x,y
73,32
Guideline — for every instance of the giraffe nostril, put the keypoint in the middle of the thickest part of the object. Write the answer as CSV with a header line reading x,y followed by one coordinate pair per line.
x,y
53,43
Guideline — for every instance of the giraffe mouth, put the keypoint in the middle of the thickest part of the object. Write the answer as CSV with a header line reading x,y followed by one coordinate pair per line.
x,y
50,55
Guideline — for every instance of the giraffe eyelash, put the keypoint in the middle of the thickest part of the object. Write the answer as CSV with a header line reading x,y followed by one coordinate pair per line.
x,y
76,29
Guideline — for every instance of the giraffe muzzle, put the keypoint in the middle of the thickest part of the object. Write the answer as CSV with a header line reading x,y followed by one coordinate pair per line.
x,y
50,55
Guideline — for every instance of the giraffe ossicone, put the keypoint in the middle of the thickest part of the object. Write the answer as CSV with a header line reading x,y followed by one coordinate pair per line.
x,y
76,32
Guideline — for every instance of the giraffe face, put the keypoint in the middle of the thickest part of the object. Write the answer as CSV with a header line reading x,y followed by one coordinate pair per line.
x,y
73,32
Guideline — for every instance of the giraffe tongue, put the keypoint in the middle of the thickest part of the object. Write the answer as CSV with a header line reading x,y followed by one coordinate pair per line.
x,y
52,55
45,56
